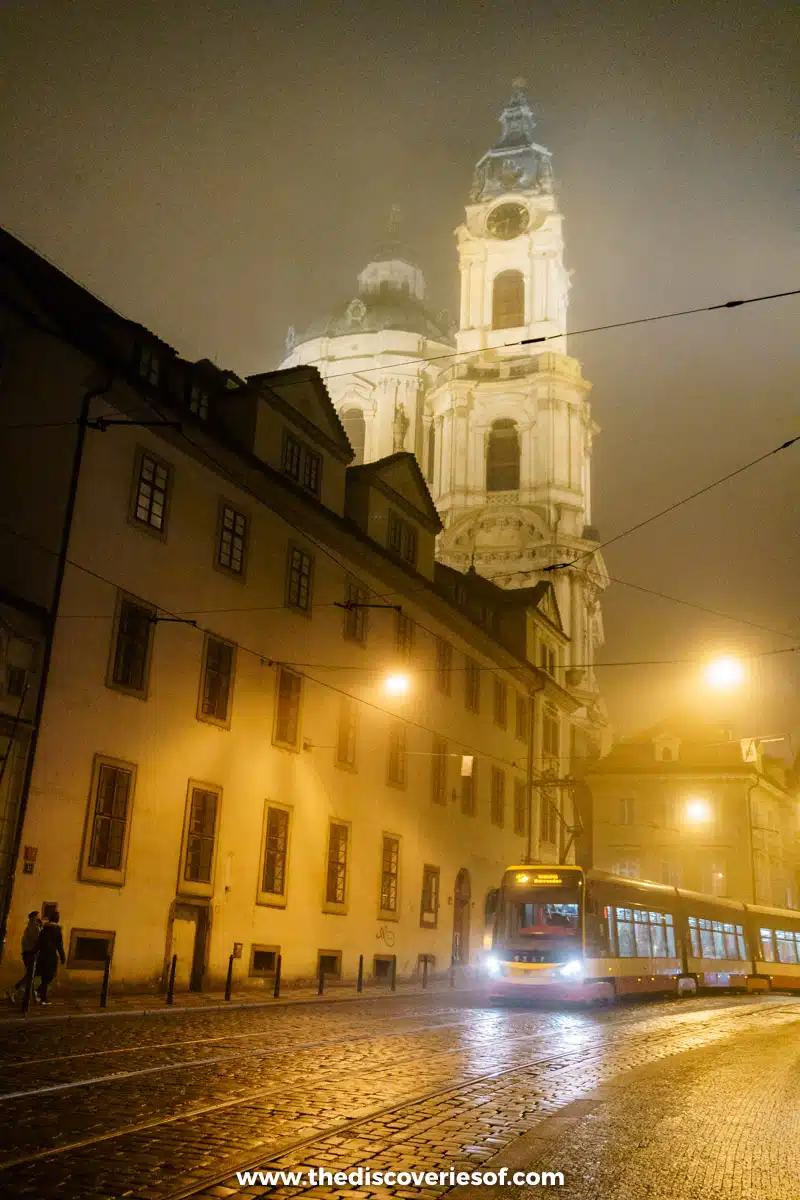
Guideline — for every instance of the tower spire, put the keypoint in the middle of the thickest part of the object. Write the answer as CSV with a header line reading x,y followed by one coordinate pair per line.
x,y
516,162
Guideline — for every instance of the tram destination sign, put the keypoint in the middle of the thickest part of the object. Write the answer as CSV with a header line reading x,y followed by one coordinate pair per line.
x,y
545,877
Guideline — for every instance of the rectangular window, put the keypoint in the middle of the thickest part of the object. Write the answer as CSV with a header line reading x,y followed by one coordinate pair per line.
x,y
134,634
348,727
500,704
397,754
276,849
439,770
299,575
287,708
355,614
263,960
641,933
231,540
469,790
404,635
548,815
216,692
625,935
472,686
151,493
498,802
110,815
444,666
520,806
89,949
767,945
390,870
301,463
551,747
402,538
627,811
198,400
201,835
336,875
547,658
149,364
429,907
787,947
523,718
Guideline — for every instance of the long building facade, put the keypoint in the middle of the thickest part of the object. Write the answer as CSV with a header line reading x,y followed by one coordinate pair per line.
x,y
256,716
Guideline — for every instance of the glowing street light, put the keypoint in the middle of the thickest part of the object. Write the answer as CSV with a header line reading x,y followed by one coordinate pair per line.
x,y
698,811
396,685
724,674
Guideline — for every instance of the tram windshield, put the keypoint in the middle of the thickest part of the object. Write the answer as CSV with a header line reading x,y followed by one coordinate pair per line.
x,y
543,914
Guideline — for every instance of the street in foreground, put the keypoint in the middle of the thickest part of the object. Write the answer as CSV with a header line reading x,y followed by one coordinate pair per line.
x,y
678,1100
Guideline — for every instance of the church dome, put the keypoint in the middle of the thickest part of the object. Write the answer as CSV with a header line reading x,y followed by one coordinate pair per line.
x,y
389,296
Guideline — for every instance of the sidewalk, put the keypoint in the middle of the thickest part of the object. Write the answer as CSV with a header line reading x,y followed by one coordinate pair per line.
x,y
149,1003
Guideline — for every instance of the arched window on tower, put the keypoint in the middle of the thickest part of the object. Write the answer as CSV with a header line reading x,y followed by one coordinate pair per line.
x,y
356,429
502,457
429,468
508,300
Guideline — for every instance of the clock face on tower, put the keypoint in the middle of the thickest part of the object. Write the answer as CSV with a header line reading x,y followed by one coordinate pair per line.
x,y
507,221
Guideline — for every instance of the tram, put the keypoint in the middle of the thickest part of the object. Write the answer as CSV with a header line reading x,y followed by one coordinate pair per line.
x,y
564,933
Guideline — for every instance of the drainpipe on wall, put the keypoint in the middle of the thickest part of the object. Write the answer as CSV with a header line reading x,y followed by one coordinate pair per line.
x,y
532,693
61,568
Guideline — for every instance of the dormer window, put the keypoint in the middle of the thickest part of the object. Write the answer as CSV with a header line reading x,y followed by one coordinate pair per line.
x,y
198,400
402,538
301,464
547,658
149,364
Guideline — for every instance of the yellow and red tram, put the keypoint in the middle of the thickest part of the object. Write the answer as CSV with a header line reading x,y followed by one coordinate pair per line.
x,y
566,933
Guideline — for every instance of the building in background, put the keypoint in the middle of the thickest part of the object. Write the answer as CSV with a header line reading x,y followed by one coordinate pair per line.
x,y
497,413
270,722
680,805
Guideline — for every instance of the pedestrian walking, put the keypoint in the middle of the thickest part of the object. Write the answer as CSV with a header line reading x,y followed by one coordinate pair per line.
x,y
50,948
30,939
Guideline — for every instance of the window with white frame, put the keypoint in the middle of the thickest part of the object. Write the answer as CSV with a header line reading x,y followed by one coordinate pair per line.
x,y
231,539
104,855
133,639
151,492
289,689
216,686
299,579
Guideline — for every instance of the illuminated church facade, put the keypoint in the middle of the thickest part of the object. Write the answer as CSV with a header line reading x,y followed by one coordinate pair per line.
x,y
496,411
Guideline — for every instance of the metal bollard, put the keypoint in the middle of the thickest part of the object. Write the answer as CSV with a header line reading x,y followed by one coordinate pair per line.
x,y
453,971
276,991
394,972
106,977
425,971
321,980
360,984
171,983
26,996
229,980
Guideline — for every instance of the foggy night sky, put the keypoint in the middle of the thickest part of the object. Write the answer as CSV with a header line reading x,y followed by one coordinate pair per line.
x,y
219,171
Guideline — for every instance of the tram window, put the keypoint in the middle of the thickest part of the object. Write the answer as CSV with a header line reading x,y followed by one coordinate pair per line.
x,y
767,946
559,920
625,938
719,939
670,937
741,941
642,931
731,949
695,937
706,939
787,947
658,936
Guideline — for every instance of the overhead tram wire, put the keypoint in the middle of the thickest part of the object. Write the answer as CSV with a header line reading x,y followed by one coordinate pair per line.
x,y
550,337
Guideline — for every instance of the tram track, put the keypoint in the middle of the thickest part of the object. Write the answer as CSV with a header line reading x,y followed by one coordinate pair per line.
x,y
552,1062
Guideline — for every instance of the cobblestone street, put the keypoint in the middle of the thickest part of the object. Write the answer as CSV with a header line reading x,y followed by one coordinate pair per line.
x,y
162,1106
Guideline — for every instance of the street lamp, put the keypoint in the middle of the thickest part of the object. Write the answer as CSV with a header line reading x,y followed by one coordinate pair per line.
x,y
724,674
698,811
396,685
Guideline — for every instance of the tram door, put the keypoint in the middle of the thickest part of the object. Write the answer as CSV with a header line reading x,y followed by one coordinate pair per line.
x,y
461,907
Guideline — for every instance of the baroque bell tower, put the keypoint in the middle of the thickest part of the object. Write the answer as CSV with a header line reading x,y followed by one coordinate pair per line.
x,y
508,426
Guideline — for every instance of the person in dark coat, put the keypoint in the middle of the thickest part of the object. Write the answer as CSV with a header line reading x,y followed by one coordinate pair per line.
x,y
50,948
30,939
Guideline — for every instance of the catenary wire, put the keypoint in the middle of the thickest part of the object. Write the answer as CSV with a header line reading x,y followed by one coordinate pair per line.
x,y
550,337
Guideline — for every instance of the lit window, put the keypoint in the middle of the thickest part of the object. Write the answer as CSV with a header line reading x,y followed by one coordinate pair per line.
x,y
232,540
152,492
299,578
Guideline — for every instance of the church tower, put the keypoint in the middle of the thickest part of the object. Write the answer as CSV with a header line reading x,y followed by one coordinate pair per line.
x,y
509,432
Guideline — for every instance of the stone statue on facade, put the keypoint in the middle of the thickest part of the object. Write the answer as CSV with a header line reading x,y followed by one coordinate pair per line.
x,y
400,427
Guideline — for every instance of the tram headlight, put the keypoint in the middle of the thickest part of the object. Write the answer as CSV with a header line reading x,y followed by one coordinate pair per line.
x,y
573,969
492,965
